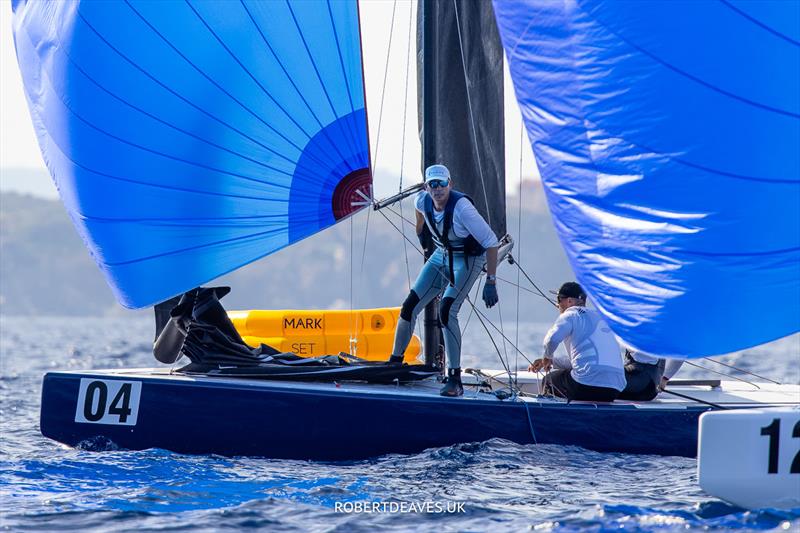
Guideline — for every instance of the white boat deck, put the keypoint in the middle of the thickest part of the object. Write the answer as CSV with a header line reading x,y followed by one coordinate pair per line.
x,y
728,393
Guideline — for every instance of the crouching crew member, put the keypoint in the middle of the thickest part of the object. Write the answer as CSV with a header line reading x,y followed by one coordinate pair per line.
x,y
594,369
464,244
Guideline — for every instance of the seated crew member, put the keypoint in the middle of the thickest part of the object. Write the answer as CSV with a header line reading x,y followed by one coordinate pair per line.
x,y
594,370
464,244
642,376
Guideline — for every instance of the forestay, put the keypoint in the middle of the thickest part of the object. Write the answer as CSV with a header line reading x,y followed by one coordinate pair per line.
x,y
667,137
190,138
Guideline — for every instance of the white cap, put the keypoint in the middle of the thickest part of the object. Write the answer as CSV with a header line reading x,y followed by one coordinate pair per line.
x,y
436,172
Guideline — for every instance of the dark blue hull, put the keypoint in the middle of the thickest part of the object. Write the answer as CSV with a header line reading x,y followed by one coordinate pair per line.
x,y
329,423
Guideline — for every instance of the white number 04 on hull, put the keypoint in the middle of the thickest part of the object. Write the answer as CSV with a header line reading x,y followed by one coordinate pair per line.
x,y
102,401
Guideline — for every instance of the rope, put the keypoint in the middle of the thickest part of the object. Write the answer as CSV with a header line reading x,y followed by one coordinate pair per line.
x,y
530,421
519,233
502,362
472,115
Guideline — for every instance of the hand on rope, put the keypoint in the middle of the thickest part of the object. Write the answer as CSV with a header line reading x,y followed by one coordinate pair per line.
x,y
543,364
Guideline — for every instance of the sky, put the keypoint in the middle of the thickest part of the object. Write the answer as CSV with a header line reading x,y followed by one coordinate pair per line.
x,y
19,148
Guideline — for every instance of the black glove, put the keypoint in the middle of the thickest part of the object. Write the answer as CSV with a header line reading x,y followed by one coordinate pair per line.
x,y
426,240
490,294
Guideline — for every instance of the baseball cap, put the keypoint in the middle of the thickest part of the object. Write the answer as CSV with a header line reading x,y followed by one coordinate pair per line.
x,y
436,172
570,289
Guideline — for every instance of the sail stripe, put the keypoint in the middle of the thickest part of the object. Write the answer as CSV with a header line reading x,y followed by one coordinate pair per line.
x,y
284,70
283,67
339,53
196,247
696,79
219,86
316,70
283,135
757,22
181,97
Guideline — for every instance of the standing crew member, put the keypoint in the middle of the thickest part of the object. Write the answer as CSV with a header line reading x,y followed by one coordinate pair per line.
x,y
594,370
464,244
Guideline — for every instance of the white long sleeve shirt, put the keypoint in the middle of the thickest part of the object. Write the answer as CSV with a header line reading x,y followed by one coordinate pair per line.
x,y
672,367
595,358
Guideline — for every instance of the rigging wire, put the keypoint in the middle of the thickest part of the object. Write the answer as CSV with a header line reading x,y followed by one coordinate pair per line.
x,y
479,314
354,324
543,295
698,400
472,115
400,231
743,371
511,378
520,287
383,91
472,310
474,132
499,355
404,219
721,373
363,258
403,141
353,346
519,235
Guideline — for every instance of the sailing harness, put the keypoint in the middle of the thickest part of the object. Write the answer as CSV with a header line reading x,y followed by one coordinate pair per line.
x,y
468,245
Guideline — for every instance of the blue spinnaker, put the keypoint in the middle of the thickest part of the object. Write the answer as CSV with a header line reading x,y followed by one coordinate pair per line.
x,y
189,138
667,134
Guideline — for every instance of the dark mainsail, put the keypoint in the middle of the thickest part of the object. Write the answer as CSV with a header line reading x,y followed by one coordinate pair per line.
x,y
460,106
448,111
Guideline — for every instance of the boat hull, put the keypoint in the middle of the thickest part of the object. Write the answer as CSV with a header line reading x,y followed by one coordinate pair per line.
x,y
331,422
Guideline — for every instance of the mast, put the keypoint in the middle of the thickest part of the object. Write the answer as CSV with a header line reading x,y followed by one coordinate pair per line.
x,y
426,20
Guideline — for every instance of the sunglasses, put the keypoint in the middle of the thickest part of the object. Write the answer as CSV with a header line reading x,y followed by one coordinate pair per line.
x,y
561,297
435,184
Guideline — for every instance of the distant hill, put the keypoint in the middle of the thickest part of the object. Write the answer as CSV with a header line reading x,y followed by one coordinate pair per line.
x,y
45,269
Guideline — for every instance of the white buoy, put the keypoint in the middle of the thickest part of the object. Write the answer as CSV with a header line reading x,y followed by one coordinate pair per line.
x,y
751,457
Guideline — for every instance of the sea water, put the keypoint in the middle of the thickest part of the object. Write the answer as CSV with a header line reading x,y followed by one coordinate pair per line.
x,y
493,485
